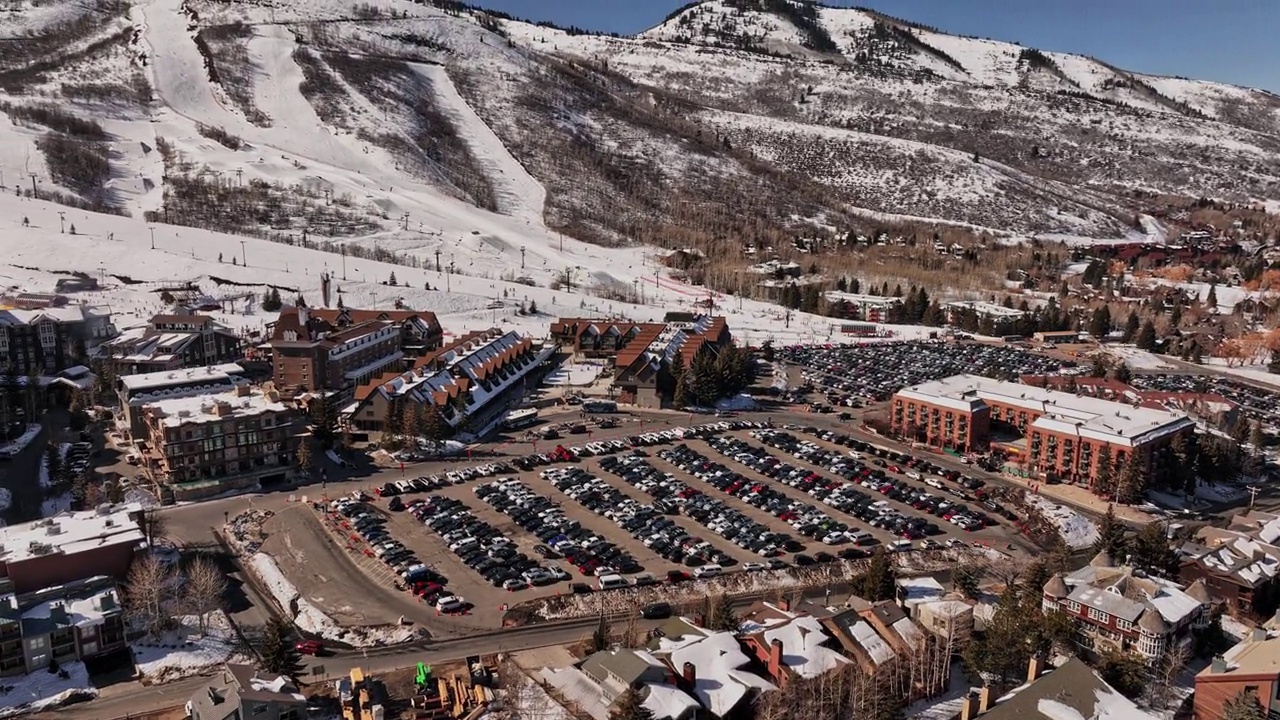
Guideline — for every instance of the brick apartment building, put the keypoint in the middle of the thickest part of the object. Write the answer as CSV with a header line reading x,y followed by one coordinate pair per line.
x,y
642,352
341,348
1114,608
70,546
462,379
1239,564
46,340
1252,664
208,444
170,342
1063,433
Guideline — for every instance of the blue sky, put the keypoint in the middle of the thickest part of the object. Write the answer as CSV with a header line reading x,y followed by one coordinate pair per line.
x,y
1225,40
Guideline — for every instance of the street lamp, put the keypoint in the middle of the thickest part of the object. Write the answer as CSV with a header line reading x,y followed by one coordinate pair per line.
x,y
243,259
152,228
62,221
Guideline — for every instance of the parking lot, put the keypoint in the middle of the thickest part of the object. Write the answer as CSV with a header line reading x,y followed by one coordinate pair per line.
x,y
1256,403
874,371
736,500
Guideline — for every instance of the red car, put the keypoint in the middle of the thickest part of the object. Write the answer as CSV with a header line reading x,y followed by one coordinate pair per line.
x,y
310,647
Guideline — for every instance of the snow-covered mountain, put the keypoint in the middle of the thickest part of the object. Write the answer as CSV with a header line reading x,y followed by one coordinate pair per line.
x,y
424,129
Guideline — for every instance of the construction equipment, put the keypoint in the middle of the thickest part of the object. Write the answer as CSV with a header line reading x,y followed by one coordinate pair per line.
x,y
361,698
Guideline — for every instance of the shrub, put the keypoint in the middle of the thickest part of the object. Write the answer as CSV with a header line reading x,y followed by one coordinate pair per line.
x,y
81,165
222,137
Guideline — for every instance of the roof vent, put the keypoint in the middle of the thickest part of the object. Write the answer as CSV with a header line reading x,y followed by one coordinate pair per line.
x,y
54,529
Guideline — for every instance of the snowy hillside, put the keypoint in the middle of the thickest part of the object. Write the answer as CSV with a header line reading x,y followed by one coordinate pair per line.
x,y
424,133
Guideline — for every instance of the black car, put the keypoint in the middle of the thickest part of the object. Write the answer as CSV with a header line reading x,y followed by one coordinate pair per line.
x,y
396,504
580,589
656,611
803,560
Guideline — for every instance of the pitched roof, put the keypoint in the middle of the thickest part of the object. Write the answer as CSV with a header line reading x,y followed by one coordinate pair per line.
x,y
1071,691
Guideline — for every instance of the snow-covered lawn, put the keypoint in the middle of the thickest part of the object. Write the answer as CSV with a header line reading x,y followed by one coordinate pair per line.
x,y
583,373
1257,373
21,694
18,444
1136,359
1077,530
185,651
312,619
1235,629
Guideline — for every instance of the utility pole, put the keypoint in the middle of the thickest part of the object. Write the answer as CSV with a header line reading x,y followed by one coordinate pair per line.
x,y
62,221
1253,494
521,257
437,259
243,259
152,228
240,177
406,221
343,249
34,192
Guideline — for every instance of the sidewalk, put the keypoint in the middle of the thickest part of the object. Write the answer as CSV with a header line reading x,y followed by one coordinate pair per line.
x,y
1081,499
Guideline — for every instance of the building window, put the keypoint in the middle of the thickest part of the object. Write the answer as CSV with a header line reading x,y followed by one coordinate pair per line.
x,y
36,643
1096,614
1073,606
1124,624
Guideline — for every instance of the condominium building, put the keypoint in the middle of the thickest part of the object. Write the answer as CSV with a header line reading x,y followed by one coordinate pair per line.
x,y
1116,607
77,621
170,342
1063,434
342,348
207,444
135,391
46,340
463,380
868,308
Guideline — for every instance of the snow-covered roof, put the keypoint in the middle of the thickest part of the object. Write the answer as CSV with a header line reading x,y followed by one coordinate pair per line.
x,y
721,681
71,532
1071,692
875,646
1060,412
862,300
215,407
81,610
986,308
665,702
185,376
1118,592
64,314
920,589
803,646
1250,657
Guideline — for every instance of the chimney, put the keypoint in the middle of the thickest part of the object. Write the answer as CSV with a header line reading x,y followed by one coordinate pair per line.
x,y
775,658
1219,665
1034,668
243,390
302,316
970,709
1259,634
690,674
984,699
785,605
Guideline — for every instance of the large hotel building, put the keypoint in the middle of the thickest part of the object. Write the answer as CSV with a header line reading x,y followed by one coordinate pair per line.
x,y
1063,434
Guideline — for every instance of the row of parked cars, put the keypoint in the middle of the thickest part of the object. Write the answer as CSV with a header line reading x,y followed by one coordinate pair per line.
x,y
1258,404
806,519
478,545
429,483
963,488
596,555
877,370
673,495
370,525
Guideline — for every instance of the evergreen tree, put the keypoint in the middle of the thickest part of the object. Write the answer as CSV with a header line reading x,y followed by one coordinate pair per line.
x,y
1212,298
722,617
1175,316
1131,325
1146,336
600,636
533,307
1123,373
324,421
1110,535
1104,476
394,420
1244,706
842,284
966,577
1151,550
53,464
630,707
766,351
1132,485
1098,368
279,656
1100,322
392,280
1257,438
855,287
1182,463
1273,366
877,583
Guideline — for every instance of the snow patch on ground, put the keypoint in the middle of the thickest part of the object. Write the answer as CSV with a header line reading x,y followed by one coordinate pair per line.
x,y
185,651
312,619
1136,359
1077,530
20,443
575,373
42,690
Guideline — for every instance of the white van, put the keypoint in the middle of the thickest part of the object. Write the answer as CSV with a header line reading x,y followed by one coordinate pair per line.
x,y
612,582
899,545
707,571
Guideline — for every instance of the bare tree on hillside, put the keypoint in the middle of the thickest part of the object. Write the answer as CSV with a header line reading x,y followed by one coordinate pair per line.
x,y
149,592
205,587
